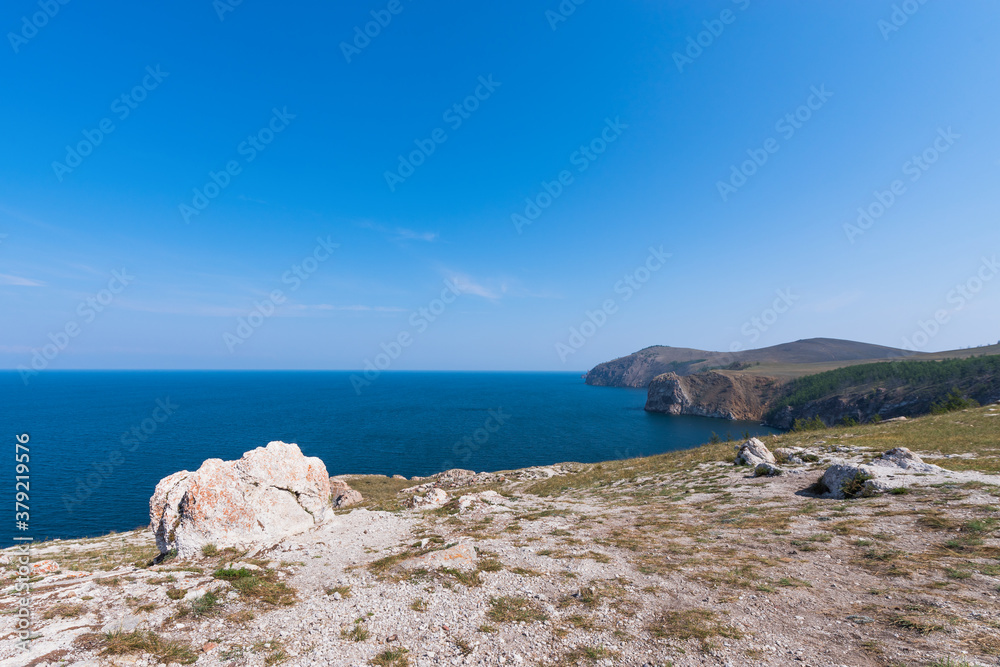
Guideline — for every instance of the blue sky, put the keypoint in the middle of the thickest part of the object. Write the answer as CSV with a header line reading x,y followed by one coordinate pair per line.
x,y
272,82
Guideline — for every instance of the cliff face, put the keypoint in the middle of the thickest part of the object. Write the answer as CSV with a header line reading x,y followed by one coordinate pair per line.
x,y
638,369
749,397
713,394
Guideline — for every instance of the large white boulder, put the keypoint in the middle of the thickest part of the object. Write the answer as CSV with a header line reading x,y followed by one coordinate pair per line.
x,y
754,452
847,480
269,494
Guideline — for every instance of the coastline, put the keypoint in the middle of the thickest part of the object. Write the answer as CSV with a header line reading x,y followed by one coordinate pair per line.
x,y
676,558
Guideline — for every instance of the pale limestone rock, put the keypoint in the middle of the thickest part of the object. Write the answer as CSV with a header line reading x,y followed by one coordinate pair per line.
x,y
44,567
474,500
901,457
894,469
269,494
342,495
460,556
754,452
435,498
842,474
124,624
765,469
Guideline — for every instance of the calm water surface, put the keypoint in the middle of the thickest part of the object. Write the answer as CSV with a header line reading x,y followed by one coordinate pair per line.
x,y
97,449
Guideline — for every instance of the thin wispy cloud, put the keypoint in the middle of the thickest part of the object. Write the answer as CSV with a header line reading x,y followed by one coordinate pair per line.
x,y
18,281
495,288
354,308
252,200
283,310
467,285
401,233
195,310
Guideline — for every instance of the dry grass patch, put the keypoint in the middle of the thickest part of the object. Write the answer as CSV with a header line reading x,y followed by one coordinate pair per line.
x,y
525,572
754,517
260,587
699,624
935,520
885,562
344,591
148,642
113,551
514,609
64,610
563,555
393,657
581,622
916,623
241,617
584,655
358,633
380,493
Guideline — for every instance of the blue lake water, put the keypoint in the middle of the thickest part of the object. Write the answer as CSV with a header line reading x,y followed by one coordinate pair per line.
x,y
101,440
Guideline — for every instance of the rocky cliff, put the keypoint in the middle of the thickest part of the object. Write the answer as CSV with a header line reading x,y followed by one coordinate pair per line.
x,y
637,370
860,393
719,394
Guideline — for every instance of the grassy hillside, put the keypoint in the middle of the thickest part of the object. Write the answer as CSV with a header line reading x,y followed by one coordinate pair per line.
x,y
785,361
974,431
789,370
871,389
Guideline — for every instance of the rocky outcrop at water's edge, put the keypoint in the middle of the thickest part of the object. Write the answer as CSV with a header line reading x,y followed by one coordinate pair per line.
x,y
714,394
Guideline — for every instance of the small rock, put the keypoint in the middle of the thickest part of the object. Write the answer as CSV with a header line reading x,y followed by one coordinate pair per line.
x,y
194,594
860,620
342,495
44,567
460,556
479,500
208,646
765,469
244,566
126,623
901,457
434,498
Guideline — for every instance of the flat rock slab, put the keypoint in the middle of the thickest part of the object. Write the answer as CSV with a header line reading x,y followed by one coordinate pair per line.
x,y
460,556
123,624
